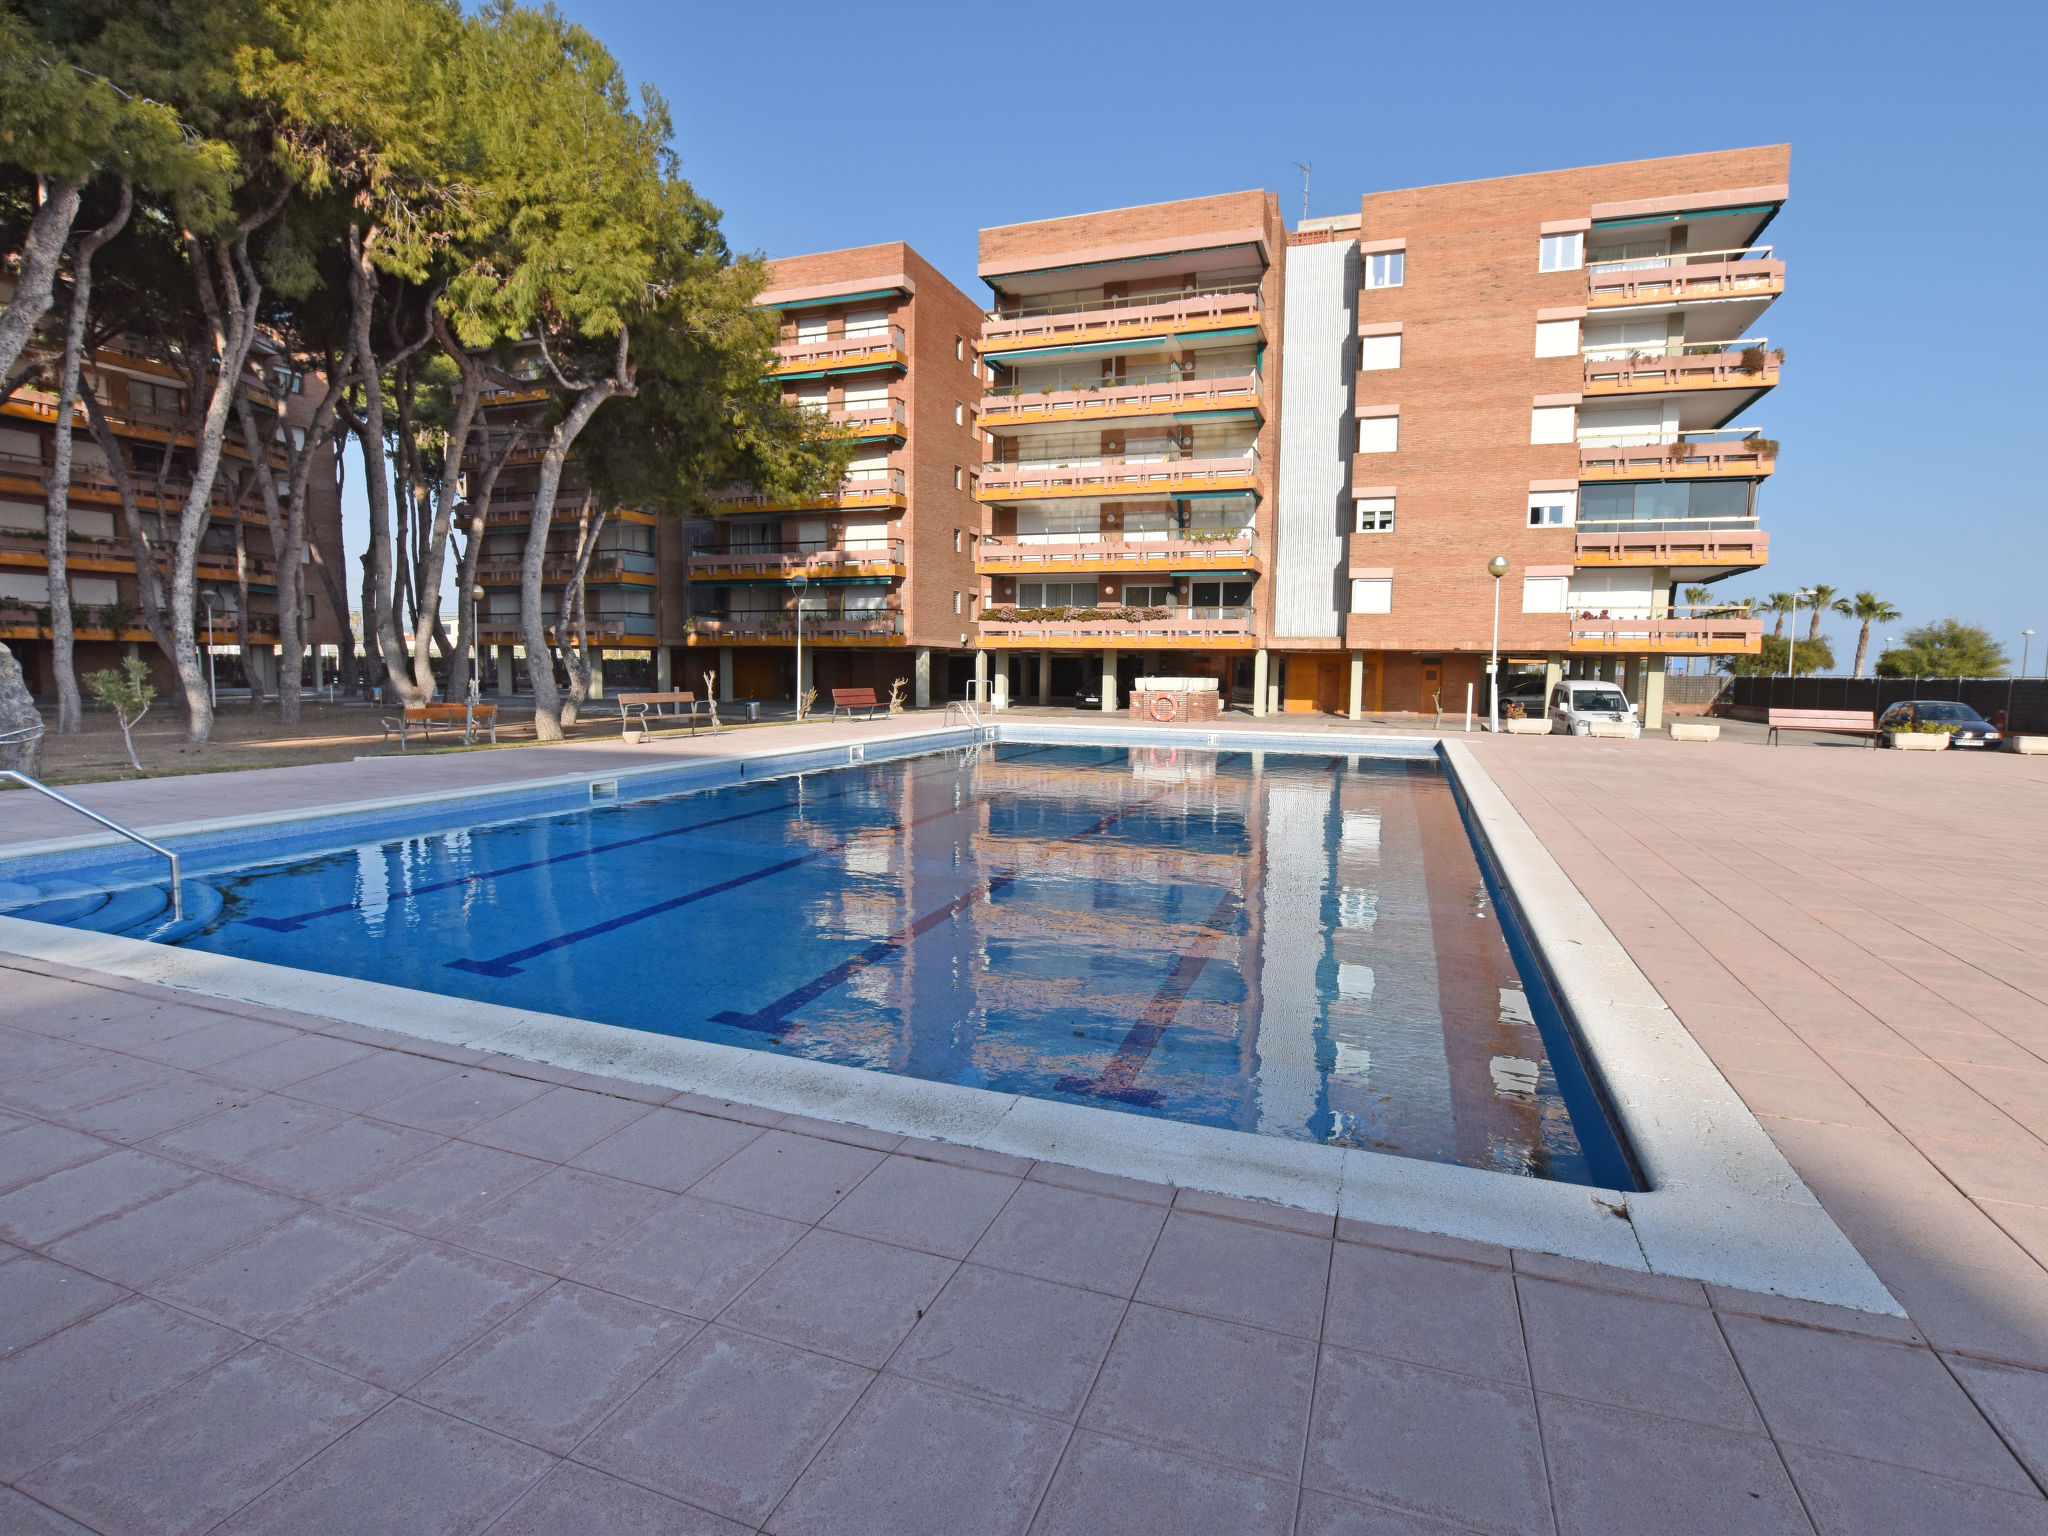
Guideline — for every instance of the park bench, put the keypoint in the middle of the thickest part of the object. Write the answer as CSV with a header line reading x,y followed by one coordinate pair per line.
x,y
1840,722
421,719
640,711
847,700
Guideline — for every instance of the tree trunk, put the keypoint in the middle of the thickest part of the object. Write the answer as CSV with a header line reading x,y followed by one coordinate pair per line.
x,y
1862,648
433,559
21,726
547,699
40,252
576,654
57,490
472,548
242,600
148,574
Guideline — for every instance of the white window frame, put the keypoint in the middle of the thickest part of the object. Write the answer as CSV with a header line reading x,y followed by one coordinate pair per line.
x,y
1379,353
1372,594
1386,269
1379,434
1543,503
1544,594
811,329
1553,424
1557,338
1561,253
1373,514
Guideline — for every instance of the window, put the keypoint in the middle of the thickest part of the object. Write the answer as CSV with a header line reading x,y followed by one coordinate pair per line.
x,y
866,322
959,478
1377,352
1375,514
1557,338
814,398
1552,509
1543,594
810,328
956,531
959,414
1550,424
1055,594
958,605
1214,596
1561,253
866,536
1372,594
1379,434
1148,597
959,350
1385,269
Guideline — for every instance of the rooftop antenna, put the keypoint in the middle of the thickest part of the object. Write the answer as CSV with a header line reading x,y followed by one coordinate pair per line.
x,y
1304,167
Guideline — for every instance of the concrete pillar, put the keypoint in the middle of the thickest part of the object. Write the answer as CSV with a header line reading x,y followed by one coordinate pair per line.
x,y
921,688
1260,663
1632,679
664,669
1653,696
981,677
1044,692
725,674
597,674
501,670
1109,682
1553,674
1357,684
1607,669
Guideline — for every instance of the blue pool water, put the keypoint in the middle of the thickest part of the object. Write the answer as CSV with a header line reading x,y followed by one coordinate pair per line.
x,y
1292,945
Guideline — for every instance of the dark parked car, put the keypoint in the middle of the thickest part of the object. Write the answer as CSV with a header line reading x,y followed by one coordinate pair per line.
x,y
1971,728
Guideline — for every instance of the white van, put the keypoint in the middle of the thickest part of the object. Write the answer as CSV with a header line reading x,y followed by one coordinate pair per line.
x,y
1577,702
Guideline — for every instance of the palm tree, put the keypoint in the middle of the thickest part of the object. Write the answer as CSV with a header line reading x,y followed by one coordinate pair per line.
x,y
1825,599
1780,603
1871,609
1696,598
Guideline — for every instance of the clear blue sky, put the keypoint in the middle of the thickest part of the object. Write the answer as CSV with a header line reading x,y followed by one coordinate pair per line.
x,y
1914,459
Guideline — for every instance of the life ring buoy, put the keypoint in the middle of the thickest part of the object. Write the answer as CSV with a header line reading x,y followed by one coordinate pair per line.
x,y
1162,707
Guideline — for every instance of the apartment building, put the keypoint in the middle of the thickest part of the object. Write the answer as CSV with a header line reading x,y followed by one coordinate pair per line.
x,y
148,408
1555,369
879,574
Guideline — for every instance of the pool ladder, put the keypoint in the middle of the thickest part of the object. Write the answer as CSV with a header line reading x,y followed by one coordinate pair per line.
x,y
177,894
969,716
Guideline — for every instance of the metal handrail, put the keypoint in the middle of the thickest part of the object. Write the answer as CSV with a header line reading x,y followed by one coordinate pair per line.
x,y
177,891
967,713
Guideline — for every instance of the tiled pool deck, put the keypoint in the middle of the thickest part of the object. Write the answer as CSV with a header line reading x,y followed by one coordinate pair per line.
x,y
264,1273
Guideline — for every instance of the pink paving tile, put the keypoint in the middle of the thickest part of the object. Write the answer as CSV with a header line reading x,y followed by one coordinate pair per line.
x,y
796,1177
406,1469
718,1109
575,1501
220,1040
1620,1474
397,1323
2014,1400
77,1197
1814,1314
1024,1341
1610,1277
1431,1245
55,1393
1323,1515
263,1283
455,1103
1888,1402
1631,1352
668,1148
558,1124
1062,1234
916,1204
914,1459
1451,1447
1848,1497
1263,1276
1145,1492
837,1130
21,1515
152,1111
1090,1182
1210,1389
693,1256
1263,1213
550,1374
172,1232
290,1061
728,1424
364,1084
38,1296
327,1162
967,1157
1435,1312
560,1220
453,1181
64,1095
244,1129
36,1149
842,1296
197,1453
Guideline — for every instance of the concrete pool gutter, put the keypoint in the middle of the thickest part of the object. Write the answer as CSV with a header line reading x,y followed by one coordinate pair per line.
x,y
1723,1205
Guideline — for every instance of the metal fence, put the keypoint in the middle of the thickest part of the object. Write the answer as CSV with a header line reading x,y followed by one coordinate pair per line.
x,y
2023,700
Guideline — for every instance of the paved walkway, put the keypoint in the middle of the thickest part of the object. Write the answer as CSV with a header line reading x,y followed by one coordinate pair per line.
x,y
262,1273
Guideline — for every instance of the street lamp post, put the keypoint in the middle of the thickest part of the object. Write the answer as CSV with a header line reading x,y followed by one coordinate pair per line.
x,y
2026,649
802,581
1792,645
212,689
1497,567
476,655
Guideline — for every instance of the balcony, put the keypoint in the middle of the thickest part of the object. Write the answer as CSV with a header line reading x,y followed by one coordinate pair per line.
x,y
786,562
497,630
1189,315
1742,365
557,569
1684,276
25,479
780,629
1673,544
1118,477
1672,632
862,489
1121,629
1060,553
842,354
1117,402
879,419
1730,454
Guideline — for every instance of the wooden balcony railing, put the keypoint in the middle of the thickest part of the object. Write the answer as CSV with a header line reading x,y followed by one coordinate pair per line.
x,y
883,350
1168,317
1685,275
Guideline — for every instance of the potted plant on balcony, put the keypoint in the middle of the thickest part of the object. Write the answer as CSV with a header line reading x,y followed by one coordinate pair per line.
x,y
1921,735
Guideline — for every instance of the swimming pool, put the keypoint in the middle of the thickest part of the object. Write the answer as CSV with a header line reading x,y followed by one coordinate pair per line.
x,y
1291,944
